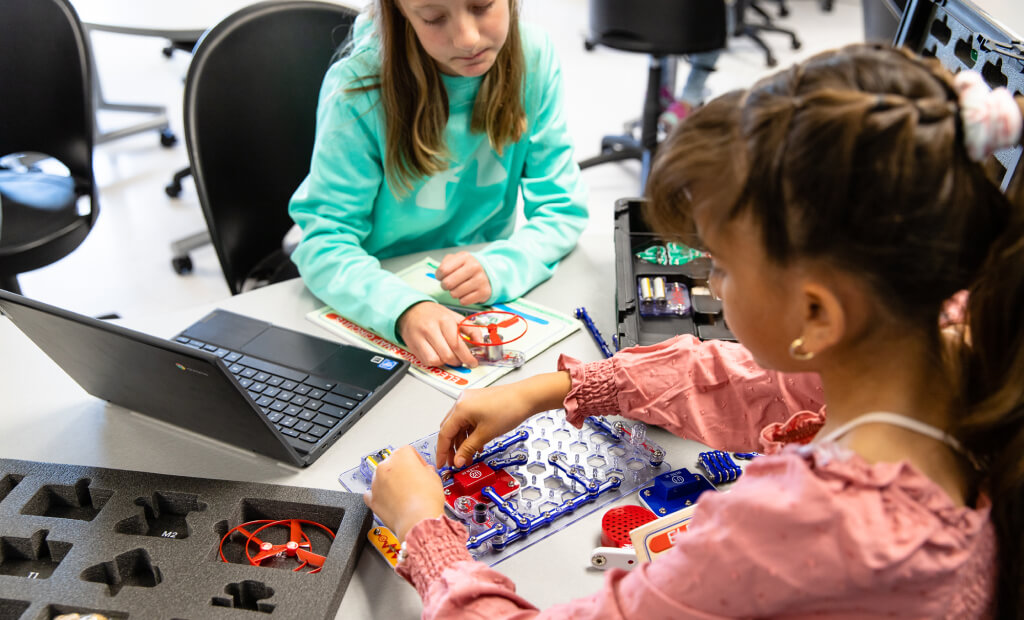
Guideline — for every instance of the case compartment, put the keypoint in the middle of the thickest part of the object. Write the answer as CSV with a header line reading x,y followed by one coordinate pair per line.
x,y
79,501
248,595
632,235
165,515
33,558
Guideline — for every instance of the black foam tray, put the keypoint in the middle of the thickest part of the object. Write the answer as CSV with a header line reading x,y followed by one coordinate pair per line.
x,y
129,544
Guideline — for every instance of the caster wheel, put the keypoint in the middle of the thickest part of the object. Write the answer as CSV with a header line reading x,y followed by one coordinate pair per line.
x,y
167,51
797,44
167,137
771,61
587,45
182,265
173,190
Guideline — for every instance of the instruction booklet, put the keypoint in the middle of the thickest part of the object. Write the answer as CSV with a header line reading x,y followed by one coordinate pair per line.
x,y
545,328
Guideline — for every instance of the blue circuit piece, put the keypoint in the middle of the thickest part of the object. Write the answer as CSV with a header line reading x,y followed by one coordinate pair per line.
x,y
581,314
674,491
500,536
720,466
604,427
519,457
495,447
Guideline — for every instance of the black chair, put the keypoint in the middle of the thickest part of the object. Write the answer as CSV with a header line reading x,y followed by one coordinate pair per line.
x,y
661,29
46,114
743,28
250,117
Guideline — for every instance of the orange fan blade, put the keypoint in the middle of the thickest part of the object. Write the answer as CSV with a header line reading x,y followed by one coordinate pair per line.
x,y
510,321
248,535
295,533
309,556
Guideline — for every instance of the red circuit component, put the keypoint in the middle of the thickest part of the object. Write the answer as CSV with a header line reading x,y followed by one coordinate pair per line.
x,y
502,320
298,544
617,522
471,481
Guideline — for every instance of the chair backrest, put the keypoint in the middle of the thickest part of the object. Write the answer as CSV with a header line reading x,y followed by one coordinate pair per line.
x,y
45,86
250,117
659,27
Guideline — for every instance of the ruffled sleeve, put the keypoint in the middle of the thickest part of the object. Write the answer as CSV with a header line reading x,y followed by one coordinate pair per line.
x,y
450,582
710,391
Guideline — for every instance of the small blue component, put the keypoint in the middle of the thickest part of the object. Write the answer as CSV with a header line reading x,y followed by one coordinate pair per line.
x,y
674,491
720,466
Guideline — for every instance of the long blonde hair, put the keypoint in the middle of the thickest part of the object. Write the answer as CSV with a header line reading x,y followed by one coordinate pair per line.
x,y
416,103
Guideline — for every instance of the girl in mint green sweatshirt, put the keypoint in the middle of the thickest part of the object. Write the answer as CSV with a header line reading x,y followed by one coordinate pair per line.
x,y
437,119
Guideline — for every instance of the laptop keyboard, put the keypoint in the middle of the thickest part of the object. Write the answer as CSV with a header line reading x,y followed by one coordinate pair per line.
x,y
302,406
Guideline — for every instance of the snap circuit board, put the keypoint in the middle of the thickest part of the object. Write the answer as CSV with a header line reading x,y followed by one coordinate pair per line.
x,y
530,483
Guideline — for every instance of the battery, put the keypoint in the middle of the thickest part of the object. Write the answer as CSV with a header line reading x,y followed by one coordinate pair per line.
x,y
493,352
646,290
659,290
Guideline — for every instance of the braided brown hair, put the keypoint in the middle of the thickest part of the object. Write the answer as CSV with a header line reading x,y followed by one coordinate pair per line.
x,y
855,158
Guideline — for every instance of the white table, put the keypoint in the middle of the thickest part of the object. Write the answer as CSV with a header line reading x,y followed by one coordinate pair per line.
x,y
47,417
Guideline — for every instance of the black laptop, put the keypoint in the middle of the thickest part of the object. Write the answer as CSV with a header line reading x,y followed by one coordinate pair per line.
x,y
233,378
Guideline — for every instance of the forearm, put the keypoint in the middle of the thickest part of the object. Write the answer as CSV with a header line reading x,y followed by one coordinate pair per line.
x,y
521,262
546,391
354,284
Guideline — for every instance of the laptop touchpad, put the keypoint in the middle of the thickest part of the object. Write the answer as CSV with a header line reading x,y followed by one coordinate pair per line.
x,y
290,349
226,329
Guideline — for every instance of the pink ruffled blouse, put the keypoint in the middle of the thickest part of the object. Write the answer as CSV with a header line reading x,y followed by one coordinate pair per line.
x,y
808,531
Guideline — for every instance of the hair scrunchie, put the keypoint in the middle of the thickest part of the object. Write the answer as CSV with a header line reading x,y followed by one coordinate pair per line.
x,y
991,118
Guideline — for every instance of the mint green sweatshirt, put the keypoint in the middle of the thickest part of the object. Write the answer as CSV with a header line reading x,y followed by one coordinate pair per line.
x,y
351,218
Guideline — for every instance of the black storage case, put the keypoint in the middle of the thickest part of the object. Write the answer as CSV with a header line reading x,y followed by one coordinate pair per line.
x,y
632,235
963,38
130,544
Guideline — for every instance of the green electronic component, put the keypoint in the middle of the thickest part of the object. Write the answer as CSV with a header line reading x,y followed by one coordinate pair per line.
x,y
669,254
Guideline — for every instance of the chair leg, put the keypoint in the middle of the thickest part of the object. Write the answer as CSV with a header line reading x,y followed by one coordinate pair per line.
x,y
620,154
173,189
760,11
10,283
794,42
652,110
620,148
769,57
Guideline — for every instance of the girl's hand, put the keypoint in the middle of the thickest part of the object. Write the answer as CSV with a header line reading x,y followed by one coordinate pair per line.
x,y
481,415
431,333
464,277
405,491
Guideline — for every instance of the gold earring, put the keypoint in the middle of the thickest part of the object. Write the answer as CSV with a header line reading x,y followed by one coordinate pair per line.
x,y
795,353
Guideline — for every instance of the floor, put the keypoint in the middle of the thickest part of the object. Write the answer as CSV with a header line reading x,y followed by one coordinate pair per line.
x,y
124,265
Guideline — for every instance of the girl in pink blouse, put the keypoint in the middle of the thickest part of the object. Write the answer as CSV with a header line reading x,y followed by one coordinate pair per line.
x,y
843,202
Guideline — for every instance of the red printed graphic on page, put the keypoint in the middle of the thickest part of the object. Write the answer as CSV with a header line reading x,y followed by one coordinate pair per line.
x,y
396,350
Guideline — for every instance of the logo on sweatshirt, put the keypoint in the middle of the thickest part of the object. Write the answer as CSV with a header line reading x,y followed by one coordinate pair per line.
x,y
489,171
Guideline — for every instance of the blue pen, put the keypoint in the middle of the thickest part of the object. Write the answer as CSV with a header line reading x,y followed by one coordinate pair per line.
x,y
581,314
